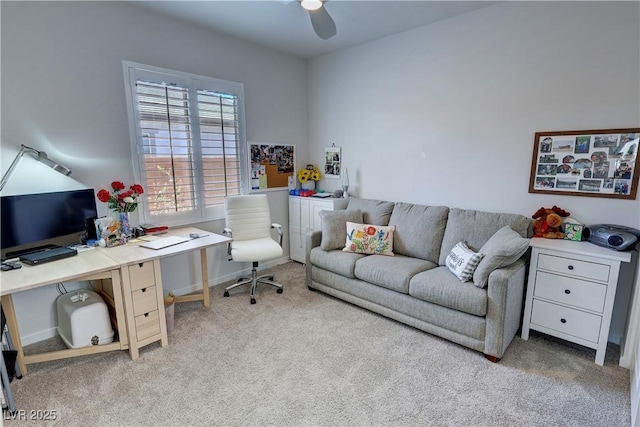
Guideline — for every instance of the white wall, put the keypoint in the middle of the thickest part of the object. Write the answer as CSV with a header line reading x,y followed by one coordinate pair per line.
x,y
446,114
63,92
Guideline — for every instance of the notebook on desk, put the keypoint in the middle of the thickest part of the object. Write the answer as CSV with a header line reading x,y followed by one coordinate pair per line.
x,y
164,242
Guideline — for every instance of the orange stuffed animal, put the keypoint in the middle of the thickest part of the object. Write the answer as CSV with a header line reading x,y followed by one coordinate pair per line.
x,y
548,223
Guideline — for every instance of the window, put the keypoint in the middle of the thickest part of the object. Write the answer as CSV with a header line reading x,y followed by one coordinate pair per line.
x,y
187,137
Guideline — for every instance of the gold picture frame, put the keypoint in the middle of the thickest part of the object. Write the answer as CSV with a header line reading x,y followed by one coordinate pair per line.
x,y
590,163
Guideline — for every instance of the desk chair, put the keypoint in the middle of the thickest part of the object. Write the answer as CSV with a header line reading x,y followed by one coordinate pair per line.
x,y
248,223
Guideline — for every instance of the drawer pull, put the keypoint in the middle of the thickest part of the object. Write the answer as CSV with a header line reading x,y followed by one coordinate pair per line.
x,y
563,320
147,315
567,291
570,267
145,290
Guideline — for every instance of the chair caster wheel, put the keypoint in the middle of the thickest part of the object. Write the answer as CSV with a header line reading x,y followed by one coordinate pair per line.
x,y
226,294
279,290
253,300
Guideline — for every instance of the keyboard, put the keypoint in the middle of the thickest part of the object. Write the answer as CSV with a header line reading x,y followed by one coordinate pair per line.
x,y
47,255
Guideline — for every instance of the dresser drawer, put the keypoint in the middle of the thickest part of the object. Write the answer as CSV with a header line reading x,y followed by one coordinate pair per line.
x,y
575,292
147,325
566,320
141,275
574,267
144,300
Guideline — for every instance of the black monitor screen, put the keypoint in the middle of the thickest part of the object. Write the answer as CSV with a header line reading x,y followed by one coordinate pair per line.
x,y
32,218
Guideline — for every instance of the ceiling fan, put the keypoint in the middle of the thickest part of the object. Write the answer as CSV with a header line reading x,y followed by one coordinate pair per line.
x,y
321,21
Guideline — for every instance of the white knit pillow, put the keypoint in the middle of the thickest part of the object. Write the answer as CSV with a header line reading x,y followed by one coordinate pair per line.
x,y
462,261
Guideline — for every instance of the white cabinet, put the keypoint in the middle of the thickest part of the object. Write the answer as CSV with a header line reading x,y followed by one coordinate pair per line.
x,y
304,218
571,290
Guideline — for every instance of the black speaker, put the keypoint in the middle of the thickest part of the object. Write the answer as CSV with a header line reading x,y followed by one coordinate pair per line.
x,y
90,227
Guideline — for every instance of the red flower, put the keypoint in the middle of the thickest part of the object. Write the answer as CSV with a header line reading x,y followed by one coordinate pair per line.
x,y
371,231
117,185
103,195
119,200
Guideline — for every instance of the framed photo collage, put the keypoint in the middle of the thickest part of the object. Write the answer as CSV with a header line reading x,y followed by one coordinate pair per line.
x,y
593,163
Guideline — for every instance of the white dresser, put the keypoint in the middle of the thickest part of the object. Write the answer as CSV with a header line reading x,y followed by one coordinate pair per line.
x,y
571,290
304,218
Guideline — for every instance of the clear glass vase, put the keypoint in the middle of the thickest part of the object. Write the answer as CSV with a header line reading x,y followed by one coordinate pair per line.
x,y
308,185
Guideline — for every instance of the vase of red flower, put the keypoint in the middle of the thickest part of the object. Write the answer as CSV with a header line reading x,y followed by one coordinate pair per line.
x,y
122,201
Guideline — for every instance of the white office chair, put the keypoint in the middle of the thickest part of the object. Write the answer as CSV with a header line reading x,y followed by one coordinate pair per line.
x,y
248,223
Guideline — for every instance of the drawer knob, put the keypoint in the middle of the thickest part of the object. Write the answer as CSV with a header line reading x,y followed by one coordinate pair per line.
x,y
567,291
563,320
570,267
145,290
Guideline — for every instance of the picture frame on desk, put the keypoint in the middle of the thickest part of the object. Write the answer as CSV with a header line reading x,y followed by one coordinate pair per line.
x,y
589,163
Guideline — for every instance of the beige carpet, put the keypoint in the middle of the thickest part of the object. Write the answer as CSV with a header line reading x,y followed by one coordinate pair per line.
x,y
303,358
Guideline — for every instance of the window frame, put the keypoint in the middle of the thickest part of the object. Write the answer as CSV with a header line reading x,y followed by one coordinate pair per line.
x,y
193,82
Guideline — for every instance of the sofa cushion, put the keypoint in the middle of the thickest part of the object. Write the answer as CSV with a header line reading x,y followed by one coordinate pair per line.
x,y
440,287
390,272
476,227
502,249
462,261
336,261
419,230
334,227
369,239
375,212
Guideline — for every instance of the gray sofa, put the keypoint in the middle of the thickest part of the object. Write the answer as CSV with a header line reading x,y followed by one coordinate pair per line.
x,y
415,286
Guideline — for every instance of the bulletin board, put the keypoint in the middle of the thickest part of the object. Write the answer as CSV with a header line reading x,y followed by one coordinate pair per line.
x,y
271,165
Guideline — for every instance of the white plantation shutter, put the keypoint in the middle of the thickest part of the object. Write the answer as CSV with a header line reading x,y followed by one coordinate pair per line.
x,y
219,141
187,133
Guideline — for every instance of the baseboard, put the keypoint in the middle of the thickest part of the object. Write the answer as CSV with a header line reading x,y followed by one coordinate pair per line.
x,y
38,336
220,280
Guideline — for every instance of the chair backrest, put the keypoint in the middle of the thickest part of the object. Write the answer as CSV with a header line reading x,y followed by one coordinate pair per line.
x,y
248,216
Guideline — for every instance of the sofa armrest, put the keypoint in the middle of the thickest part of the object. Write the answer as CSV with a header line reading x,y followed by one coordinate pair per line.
x,y
312,240
505,292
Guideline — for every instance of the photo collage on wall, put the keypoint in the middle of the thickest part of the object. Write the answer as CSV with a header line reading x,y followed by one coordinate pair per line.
x,y
271,165
585,164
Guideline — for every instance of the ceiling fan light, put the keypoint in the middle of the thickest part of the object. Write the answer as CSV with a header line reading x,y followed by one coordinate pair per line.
x,y
311,4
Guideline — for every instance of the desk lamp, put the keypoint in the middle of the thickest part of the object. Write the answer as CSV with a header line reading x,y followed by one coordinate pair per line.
x,y
345,183
40,156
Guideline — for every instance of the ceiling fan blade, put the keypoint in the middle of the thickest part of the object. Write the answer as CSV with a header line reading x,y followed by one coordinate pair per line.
x,y
323,23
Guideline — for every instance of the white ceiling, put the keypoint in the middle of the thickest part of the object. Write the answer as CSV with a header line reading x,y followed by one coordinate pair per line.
x,y
285,26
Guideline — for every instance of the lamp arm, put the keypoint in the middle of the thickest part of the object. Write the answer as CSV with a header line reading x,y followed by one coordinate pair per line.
x,y
14,164
40,156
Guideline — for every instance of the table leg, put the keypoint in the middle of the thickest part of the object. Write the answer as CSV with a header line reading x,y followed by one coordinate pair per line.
x,y
205,277
12,324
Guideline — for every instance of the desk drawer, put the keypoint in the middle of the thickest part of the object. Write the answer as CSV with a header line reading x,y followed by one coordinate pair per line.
x,y
147,325
566,320
574,267
566,290
141,275
144,300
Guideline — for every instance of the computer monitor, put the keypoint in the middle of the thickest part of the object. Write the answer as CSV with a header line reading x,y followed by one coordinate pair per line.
x,y
32,219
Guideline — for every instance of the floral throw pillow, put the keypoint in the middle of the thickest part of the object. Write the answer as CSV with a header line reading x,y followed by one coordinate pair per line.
x,y
369,239
462,261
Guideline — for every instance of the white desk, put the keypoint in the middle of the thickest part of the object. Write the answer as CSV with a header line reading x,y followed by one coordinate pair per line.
x,y
119,265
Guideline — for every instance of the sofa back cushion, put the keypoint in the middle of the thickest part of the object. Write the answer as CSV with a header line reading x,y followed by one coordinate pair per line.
x,y
476,227
419,230
334,227
376,212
